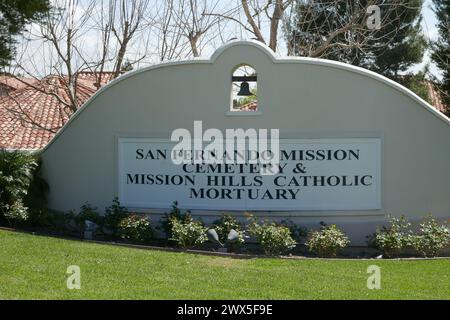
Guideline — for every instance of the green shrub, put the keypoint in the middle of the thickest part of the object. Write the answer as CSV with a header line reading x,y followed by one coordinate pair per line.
x,y
174,214
113,216
224,225
187,232
275,239
136,228
327,241
17,174
393,240
52,220
432,238
16,212
88,213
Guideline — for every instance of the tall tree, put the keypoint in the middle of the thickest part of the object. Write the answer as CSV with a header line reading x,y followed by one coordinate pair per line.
x,y
339,30
117,30
441,48
259,19
14,15
407,45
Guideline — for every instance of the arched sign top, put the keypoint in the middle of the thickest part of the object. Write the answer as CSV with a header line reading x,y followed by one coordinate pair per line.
x,y
250,43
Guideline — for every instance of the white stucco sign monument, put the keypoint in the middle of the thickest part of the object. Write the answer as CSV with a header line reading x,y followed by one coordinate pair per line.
x,y
353,146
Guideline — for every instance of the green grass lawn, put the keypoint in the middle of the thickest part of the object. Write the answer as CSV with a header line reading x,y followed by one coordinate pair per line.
x,y
34,267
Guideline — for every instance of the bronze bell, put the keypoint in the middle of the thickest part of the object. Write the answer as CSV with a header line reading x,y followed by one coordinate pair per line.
x,y
245,89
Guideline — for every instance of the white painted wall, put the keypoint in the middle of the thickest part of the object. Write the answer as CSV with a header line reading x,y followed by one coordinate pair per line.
x,y
305,98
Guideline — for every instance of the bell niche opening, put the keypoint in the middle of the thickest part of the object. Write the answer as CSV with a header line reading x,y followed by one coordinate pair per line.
x,y
244,89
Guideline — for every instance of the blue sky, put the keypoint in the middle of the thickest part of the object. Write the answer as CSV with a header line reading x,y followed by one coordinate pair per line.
x,y
429,19
430,30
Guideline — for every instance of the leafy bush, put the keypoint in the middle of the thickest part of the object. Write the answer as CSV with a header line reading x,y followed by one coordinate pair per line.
x,y
224,225
174,214
187,232
275,239
113,216
52,220
88,213
136,228
17,174
16,212
392,240
432,238
327,241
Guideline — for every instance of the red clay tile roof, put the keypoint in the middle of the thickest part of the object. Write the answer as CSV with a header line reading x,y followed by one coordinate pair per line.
x,y
251,106
14,83
30,116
